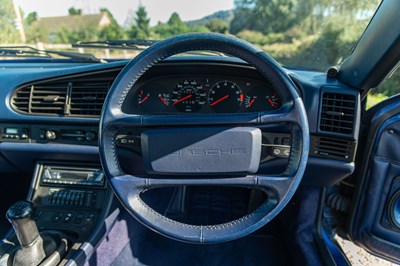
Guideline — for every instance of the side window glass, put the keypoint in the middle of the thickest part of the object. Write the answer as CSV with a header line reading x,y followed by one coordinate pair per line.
x,y
387,88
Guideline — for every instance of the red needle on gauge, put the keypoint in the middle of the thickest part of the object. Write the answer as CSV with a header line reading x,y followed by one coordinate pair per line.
x,y
163,100
144,99
271,102
251,102
219,100
182,99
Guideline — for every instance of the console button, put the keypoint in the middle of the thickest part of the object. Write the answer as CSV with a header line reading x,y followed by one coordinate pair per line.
x,y
89,219
67,218
90,136
57,217
51,135
63,197
68,199
89,199
78,218
286,141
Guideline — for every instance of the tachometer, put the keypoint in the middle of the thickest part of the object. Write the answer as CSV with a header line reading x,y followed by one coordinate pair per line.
x,y
152,100
261,99
225,97
188,96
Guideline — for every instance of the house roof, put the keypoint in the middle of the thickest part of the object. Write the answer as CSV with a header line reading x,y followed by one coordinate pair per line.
x,y
73,22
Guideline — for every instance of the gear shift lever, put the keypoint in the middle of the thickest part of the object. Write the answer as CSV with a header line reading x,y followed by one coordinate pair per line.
x,y
32,251
46,248
20,216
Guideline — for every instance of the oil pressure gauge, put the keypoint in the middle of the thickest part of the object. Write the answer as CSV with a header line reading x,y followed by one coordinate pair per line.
x,y
261,99
152,100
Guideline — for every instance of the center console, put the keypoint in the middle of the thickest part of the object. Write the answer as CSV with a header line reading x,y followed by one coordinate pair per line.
x,y
71,198
68,197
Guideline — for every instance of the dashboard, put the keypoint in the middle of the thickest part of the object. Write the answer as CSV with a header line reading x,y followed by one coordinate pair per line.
x,y
202,94
51,111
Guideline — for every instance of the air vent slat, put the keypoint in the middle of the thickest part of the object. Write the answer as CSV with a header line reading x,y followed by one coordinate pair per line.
x,y
48,108
87,96
342,107
337,113
86,103
21,99
48,98
70,96
332,148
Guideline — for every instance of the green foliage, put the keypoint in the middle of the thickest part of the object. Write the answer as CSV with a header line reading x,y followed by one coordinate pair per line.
x,y
256,37
267,16
113,31
74,11
389,87
32,17
217,25
88,33
8,32
35,34
174,26
141,28
374,99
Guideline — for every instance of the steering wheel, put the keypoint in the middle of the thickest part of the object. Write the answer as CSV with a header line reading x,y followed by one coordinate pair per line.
x,y
235,139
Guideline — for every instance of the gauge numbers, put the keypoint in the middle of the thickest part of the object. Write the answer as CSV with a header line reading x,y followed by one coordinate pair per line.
x,y
152,100
201,95
260,99
225,97
188,96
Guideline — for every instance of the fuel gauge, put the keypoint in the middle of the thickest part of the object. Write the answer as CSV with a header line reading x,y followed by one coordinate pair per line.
x,y
261,99
152,100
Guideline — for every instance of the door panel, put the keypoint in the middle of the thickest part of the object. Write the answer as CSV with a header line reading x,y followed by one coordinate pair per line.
x,y
372,224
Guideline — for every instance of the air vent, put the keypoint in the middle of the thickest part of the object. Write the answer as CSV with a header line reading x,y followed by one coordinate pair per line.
x,y
21,98
337,113
81,96
48,98
332,148
88,95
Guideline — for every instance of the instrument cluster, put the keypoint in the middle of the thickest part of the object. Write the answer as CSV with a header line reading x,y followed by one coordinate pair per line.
x,y
200,94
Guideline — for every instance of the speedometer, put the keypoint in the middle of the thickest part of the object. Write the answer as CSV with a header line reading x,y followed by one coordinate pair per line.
x,y
225,97
188,96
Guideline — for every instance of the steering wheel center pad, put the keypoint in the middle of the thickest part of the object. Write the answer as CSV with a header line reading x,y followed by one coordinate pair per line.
x,y
129,187
201,150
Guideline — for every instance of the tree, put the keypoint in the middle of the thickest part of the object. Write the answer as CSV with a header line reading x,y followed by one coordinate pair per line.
x,y
32,17
141,28
267,16
74,11
112,31
9,32
217,25
87,33
177,26
174,26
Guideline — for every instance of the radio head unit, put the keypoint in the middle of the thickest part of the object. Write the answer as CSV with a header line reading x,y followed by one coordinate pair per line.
x,y
68,175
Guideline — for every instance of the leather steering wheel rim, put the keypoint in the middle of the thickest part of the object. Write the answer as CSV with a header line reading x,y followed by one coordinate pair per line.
x,y
129,187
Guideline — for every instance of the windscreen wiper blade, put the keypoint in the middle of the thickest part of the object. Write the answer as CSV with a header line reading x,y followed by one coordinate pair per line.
x,y
19,51
28,51
138,45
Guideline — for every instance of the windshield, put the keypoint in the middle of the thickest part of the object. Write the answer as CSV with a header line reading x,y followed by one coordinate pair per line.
x,y
311,34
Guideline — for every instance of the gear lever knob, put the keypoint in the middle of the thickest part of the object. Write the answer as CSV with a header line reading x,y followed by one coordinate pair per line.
x,y
20,216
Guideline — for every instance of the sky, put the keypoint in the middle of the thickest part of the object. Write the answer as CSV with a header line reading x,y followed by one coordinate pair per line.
x,y
158,10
